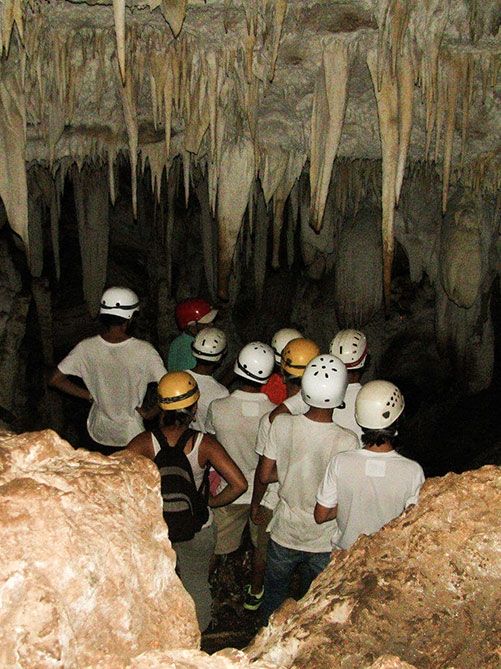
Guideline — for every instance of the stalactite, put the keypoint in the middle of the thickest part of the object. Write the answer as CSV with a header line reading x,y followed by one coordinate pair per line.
x,y
328,111
13,185
294,166
119,18
11,13
35,216
91,204
235,180
130,118
278,22
293,219
453,80
405,82
173,11
387,104
111,174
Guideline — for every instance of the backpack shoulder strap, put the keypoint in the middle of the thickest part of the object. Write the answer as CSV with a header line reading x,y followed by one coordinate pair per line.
x,y
183,439
161,438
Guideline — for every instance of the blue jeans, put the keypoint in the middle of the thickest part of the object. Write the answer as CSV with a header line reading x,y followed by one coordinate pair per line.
x,y
280,564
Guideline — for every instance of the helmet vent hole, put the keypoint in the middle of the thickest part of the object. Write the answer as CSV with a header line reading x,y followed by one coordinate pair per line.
x,y
386,414
326,375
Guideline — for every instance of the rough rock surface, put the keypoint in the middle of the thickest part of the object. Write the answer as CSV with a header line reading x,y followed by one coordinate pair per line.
x,y
426,588
86,565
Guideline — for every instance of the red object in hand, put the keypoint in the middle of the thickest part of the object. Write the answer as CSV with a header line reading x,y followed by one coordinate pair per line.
x,y
214,480
275,388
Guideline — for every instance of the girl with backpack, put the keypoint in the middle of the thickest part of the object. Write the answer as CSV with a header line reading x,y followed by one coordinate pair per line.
x,y
184,457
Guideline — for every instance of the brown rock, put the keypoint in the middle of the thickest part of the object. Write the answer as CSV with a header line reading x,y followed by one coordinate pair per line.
x,y
86,565
426,588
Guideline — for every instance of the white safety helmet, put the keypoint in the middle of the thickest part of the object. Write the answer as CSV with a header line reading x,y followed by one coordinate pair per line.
x,y
324,382
118,301
280,340
209,344
255,362
350,346
378,405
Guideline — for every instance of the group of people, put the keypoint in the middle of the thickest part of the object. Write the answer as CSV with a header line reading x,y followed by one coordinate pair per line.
x,y
299,451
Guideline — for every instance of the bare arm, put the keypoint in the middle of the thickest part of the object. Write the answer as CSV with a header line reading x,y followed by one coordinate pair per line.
x,y
257,495
280,409
213,453
267,471
322,513
61,382
142,445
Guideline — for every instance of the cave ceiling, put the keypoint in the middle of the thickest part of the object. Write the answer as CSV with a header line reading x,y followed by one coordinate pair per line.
x,y
251,88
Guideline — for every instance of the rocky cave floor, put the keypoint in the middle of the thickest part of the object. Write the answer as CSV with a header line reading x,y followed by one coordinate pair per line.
x,y
232,625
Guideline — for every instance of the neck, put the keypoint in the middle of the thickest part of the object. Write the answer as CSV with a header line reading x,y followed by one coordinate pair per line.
x,y
250,388
319,415
116,334
204,368
386,447
354,376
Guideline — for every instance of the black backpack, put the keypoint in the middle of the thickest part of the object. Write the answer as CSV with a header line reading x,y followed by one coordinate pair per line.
x,y
184,507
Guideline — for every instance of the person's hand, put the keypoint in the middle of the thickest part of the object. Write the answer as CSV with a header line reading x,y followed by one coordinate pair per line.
x,y
258,514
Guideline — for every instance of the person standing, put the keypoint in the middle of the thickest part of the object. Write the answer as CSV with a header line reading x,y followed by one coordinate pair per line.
x,y
116,369
192,315
350,346
235,421
365,489
275,387
296,455
178,394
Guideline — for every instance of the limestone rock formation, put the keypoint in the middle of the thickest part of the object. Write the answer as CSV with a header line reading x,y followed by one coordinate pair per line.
x,y
87,570
426,588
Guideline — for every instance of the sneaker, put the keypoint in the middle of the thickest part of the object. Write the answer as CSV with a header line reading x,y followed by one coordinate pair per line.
x,y
251,601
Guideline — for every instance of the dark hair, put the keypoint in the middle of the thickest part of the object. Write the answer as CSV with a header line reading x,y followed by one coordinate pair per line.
x,y
293,380
378,437
171,418
109,320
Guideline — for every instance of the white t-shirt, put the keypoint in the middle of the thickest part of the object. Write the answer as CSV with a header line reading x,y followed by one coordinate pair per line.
x,y
296,405
370,489
117,376
302,449
210,390
235,422
346,417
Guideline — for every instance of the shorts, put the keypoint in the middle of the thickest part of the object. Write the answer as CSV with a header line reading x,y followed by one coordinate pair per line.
x,y
230,522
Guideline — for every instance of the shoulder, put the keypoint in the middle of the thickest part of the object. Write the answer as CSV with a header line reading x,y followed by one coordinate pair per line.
x,y
347,436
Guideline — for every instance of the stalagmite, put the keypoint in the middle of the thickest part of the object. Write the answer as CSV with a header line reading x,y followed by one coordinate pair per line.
x,y
327,118
13,185
91,203
387,104
119,17
235,180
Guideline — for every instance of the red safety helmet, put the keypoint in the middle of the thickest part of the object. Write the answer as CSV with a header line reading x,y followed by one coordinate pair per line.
x,y
194,310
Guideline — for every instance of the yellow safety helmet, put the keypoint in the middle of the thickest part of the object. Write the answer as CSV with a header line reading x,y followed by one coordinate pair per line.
x,y
297,354
177,390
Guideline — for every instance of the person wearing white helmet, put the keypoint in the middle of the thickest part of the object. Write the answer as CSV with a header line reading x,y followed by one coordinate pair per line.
x,y
275,387
296,455
365,489
235,420
350,346
208,349
116,369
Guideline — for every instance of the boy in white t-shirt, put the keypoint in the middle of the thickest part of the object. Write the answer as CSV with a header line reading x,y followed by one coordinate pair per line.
x,y
235,420
366,489
208,350
296,455
116,369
